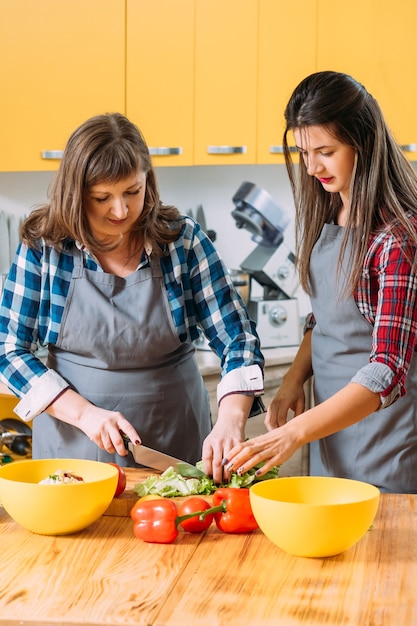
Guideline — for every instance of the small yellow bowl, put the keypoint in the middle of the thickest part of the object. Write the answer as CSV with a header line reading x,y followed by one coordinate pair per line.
x,y
314,516
56,509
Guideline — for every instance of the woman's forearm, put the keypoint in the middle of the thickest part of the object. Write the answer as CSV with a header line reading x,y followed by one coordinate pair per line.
x,y
346,407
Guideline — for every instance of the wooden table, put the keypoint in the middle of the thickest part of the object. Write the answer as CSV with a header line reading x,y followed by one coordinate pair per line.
x,y
105,576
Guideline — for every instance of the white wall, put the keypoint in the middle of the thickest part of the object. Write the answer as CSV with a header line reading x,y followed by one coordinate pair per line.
x,y
186,187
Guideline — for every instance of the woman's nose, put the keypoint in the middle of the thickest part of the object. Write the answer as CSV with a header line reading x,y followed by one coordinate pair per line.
x,y
119,207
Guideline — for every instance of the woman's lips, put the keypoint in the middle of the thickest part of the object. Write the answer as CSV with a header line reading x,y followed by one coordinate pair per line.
x,y
326,181
118,222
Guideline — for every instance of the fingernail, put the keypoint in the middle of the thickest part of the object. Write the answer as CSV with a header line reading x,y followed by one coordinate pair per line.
x,y
229,467
137,442
225,461
240,470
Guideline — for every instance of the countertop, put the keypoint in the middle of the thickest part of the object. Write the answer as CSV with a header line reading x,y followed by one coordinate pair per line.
x,y
105,576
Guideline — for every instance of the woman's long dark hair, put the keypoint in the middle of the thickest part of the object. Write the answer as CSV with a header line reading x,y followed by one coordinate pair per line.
x,y
384,184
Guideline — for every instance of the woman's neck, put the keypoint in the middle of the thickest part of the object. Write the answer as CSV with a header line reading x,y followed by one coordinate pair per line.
x,y
121,261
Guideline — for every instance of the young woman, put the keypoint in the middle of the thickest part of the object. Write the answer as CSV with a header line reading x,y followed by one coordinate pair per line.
x,y
356,228
116,284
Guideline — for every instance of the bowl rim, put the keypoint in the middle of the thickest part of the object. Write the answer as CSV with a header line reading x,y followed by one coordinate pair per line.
x,y
374,492
27,462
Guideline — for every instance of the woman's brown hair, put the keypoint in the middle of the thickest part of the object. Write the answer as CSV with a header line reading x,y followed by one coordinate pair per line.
x,y
384,184
105,148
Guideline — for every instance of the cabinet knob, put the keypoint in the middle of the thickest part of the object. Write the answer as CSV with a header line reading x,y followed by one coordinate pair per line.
x,y
164,151
52,154
226,149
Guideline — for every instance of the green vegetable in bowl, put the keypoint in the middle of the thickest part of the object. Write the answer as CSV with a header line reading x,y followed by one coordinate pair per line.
x,y
171,484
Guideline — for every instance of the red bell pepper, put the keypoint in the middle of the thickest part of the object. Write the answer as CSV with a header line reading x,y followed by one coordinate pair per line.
x,y
235,512
155,521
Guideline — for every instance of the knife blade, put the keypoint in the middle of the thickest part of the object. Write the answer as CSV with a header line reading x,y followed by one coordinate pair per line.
x,y
154,459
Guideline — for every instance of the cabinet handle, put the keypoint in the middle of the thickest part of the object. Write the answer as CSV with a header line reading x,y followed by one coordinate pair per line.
x,y
409,147
226,149
162,151
280,149
52,154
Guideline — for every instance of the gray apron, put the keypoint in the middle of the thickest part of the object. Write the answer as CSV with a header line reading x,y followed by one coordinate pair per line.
x,y
382,448
118,347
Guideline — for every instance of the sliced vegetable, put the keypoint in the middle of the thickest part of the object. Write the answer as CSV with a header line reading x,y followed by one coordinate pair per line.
x,y
171,484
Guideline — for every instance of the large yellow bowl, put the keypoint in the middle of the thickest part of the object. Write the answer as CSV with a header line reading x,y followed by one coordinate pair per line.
x,y
314,516
56,509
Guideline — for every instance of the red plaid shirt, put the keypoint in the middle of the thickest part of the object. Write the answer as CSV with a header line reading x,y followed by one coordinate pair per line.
x,y
387,297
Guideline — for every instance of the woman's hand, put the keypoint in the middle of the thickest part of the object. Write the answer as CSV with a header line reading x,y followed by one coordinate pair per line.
x,y
290,396
227,432
100,425
274,448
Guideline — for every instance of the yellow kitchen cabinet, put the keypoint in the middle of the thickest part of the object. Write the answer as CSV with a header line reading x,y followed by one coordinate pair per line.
x,y
376,43
160,76
287,54
225,82
61,62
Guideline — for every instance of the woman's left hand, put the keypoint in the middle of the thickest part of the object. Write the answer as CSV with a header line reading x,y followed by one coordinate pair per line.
x,y
227,432
273,448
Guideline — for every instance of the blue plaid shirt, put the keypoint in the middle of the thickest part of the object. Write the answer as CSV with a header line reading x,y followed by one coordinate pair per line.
x,y
200,293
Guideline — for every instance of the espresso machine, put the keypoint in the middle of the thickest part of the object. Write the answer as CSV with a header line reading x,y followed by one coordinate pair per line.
x,y
271,264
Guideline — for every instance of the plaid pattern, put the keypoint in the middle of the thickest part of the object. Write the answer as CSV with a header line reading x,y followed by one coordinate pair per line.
x,y
199,289
387,298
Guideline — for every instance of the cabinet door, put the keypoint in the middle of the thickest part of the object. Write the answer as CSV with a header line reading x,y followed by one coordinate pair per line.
x,y
376,43
160,76
226,81
62,62
287,54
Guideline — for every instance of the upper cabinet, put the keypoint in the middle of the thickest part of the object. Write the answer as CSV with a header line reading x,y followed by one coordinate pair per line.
x,y
160,69
226,81
287,54
62,62
206,81
376,43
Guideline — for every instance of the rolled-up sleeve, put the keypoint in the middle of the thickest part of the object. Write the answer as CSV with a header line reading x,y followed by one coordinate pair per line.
x,y
246,380
44,391
378,377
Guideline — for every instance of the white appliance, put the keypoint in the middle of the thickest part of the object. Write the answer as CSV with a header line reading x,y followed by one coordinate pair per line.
x,y
271,264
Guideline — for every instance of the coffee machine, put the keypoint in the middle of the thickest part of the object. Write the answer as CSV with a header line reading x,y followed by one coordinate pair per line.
x,y
271,264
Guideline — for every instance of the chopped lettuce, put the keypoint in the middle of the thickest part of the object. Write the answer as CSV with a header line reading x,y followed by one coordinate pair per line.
x,y
171,484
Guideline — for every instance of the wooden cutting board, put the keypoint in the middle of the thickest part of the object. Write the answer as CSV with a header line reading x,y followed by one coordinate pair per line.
x,y
122,505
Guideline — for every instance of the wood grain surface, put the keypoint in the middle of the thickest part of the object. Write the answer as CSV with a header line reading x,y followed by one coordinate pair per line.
x,y
122,505
104,576
246,580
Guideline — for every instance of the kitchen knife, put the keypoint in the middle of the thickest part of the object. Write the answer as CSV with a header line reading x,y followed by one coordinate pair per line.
x,y
149,457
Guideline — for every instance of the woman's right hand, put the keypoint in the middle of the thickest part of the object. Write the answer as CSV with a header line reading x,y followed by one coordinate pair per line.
x,y
101,426
290,396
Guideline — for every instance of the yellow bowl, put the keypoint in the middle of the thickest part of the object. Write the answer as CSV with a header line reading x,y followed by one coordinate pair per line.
x,y
56,509
314,516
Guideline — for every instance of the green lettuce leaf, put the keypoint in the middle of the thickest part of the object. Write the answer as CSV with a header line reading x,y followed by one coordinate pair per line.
x,y
170,484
